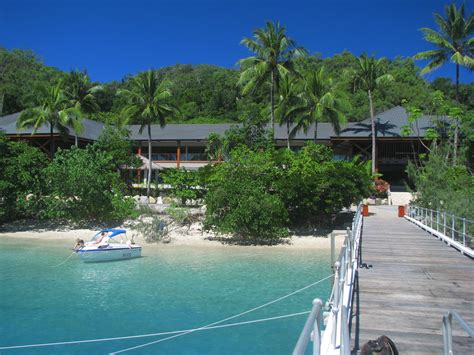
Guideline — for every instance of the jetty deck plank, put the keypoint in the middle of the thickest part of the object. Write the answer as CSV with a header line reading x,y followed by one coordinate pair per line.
x,y
415,279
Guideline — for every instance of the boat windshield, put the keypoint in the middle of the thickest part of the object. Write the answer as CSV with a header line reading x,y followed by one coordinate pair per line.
x,y
111,235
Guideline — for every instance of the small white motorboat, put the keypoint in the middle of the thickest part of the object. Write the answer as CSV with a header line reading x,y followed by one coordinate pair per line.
x,y
107,245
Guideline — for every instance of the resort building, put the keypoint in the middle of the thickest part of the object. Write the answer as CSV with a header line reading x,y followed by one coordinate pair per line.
x,y
184,145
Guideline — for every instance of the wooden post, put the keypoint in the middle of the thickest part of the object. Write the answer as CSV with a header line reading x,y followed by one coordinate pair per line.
x,y
178,155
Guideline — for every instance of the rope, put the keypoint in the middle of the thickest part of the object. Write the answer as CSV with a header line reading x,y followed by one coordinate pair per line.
x,y
225,319
64,260
152,334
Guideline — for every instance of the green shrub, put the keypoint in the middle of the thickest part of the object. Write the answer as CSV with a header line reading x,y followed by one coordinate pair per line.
x,y
258,195
84,185
441,186
22,179
184,184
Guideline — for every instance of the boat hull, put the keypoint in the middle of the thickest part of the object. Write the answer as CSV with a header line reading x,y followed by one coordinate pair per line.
x,y
106,254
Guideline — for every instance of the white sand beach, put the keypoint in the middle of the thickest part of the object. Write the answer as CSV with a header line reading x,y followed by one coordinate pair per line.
x,y
192,235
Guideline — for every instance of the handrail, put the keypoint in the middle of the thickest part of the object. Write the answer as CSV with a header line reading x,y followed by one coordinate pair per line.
x,y
313,322
456,231
336,337
448,331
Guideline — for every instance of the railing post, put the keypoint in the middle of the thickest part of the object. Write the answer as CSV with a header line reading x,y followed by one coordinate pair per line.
x,y
437,221
452,227
345,340
335,305
448,334
431,219
333,255
464,231
444,222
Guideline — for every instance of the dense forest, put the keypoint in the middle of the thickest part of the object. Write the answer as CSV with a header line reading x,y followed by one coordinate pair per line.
x,y
209,94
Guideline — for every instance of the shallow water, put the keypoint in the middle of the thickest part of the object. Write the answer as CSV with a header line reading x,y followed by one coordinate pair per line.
x,y
169,288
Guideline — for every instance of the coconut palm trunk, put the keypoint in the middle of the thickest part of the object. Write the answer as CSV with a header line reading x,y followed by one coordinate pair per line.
x,y
148,182
288,134
456,128
372,121
272,103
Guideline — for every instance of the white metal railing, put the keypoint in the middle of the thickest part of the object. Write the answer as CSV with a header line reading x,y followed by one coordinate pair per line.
x,y
448,332
456,231
336,337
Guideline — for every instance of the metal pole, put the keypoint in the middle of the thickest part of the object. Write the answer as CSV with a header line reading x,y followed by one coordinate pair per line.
x,y
452,227
306,332
444,223
464,231
333,254
447,334
335,305
431,218
437,221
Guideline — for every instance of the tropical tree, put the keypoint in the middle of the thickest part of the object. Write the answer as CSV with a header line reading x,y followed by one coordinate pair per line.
x,y
55,109
147,103
288,102
80,90
454,42
322,100
274,52
368,76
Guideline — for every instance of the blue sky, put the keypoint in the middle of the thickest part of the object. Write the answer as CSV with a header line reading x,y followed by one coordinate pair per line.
x,y
114,38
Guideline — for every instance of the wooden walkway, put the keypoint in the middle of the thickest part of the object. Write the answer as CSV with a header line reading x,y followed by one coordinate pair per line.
x,y
414,280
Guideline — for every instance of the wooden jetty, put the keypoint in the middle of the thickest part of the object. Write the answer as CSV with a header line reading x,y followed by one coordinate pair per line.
x,y
411,281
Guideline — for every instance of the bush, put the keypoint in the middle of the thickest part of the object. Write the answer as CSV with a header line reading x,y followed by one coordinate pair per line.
x,y
241,200
21,179
84,185
380,188
441,186
184,184
258,195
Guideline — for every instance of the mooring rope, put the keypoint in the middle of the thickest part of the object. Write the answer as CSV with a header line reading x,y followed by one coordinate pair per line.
x,y
178,333
152,334
64,260
225,319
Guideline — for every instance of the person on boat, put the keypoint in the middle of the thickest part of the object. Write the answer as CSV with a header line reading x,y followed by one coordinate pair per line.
x,y
102,238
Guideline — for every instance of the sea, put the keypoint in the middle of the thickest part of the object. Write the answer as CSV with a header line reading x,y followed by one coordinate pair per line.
x,y
47,298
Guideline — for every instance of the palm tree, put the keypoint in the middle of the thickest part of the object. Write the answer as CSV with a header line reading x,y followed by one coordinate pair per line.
x,y
55,110
369,76
274,52
453,43
81,91
288,103
147,104
322,100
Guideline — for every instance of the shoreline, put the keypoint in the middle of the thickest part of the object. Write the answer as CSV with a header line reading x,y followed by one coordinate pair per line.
x,y
193,237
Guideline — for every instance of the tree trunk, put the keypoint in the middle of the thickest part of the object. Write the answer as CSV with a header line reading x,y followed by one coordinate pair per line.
x,y
315,131
148,182
288,133
456,129
372,121
272,103
51,143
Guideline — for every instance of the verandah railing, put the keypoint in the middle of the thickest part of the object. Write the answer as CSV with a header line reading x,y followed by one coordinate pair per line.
x,y
455,231
336,337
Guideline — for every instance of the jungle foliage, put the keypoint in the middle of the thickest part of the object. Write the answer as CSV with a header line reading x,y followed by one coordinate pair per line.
x,y
209,94
258,195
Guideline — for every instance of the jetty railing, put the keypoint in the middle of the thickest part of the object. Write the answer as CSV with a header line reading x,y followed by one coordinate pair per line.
x,y
455,231
448,330
337,316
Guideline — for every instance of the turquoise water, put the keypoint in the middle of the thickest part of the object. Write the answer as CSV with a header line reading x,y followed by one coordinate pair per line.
x,y
169,288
